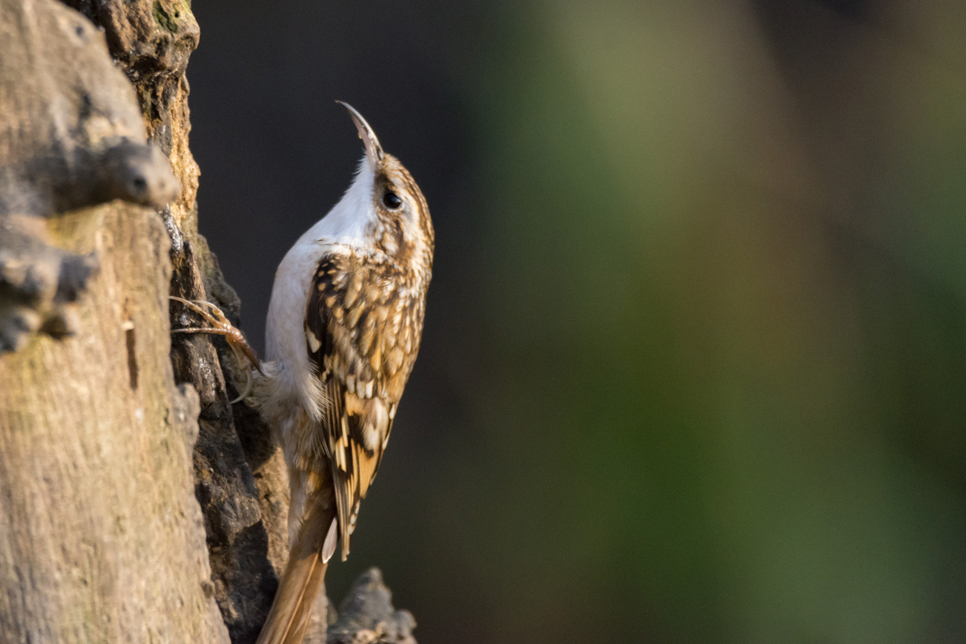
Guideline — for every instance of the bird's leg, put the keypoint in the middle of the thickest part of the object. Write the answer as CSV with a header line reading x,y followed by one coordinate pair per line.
x,y
218,324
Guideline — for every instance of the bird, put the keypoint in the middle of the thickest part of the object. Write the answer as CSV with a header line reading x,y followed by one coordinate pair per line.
x,y
343,330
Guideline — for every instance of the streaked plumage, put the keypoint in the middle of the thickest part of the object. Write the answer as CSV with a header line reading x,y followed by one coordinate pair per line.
x,y
344,327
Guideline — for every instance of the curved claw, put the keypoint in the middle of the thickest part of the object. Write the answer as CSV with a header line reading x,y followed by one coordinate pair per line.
x,y
212,314
219,325
248,388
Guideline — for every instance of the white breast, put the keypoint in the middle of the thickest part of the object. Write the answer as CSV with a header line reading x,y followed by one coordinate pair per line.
x,y
343,228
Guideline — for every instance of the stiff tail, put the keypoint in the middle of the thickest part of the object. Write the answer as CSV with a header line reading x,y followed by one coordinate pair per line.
x,y
304,573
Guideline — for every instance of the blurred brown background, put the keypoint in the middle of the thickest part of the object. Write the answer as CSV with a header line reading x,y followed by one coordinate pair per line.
x,y
694,368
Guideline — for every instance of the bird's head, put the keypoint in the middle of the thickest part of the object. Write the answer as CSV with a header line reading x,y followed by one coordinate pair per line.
x,y
399,223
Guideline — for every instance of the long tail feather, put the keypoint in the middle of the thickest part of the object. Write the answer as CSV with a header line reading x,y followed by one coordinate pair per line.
x,y
343,501
303,577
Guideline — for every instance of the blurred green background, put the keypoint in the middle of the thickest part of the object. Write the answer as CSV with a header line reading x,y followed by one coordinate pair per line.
x,y
694,368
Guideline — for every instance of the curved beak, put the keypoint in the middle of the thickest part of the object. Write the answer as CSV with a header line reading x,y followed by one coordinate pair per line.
x,y
373,149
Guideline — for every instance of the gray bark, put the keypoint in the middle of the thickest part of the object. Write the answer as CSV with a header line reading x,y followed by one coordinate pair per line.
x,y
135,503
100,537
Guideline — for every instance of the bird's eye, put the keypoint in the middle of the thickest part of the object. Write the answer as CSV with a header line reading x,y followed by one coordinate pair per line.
x,y
391,200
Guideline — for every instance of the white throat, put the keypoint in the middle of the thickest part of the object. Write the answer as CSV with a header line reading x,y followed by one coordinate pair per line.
x,y
348,220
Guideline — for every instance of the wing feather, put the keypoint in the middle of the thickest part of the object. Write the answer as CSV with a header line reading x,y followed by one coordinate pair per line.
x,y
356,422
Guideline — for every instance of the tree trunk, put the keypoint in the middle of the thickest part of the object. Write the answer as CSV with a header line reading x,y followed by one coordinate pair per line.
x,y
135,503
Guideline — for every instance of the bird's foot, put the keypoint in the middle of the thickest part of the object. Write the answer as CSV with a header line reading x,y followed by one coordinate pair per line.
x,y
218,324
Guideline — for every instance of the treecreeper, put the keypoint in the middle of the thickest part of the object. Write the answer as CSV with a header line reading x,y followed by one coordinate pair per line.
x,y
343,330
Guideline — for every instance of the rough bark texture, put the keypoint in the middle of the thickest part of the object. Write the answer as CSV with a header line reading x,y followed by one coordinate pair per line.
x,y
100,538
152,41
112,436
71,137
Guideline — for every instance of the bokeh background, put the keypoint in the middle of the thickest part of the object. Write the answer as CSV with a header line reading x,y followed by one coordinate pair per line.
x,y
694,368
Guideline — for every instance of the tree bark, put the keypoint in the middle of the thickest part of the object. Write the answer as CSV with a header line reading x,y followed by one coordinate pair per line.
x,y
135,503
100,536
